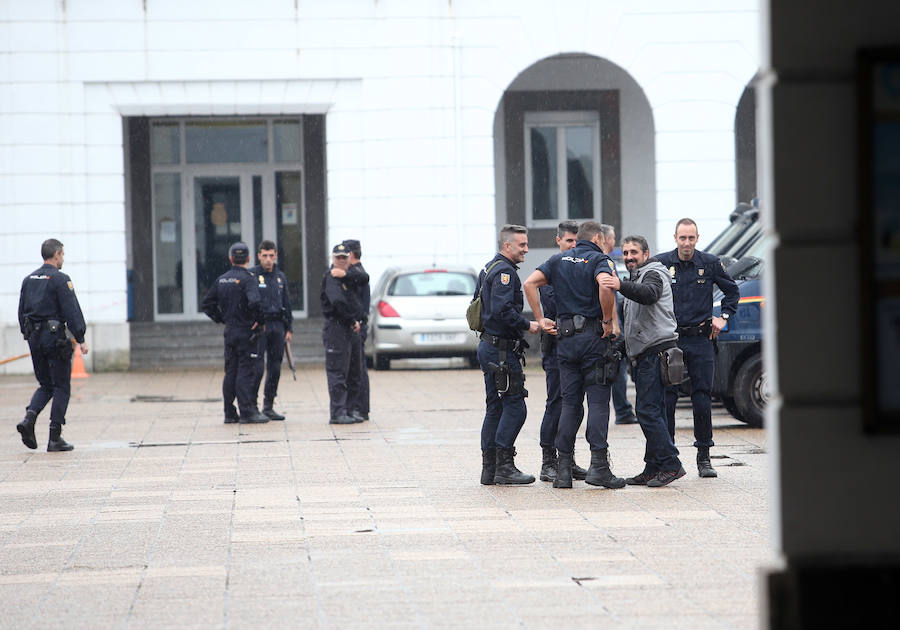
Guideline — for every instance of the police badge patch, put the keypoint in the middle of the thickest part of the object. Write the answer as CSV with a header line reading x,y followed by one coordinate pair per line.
x,y
504,278
70,285
700,272
611,264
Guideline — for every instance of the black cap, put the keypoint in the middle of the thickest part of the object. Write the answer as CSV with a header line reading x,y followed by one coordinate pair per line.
x,y
353,245
340,250
239,253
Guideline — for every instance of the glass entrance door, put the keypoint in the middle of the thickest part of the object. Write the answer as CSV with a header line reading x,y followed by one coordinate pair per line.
x,y
217,222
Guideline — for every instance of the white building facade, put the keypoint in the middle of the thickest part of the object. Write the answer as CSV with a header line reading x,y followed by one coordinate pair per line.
x,y
148,135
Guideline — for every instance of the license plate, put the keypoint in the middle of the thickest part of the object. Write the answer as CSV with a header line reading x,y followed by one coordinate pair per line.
x,y
426,338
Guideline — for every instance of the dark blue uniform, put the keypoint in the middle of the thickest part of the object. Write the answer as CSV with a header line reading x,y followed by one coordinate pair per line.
x,y
502,343
234,300
47,305
573,277
342,310
275,304
359,281
692,294
553,406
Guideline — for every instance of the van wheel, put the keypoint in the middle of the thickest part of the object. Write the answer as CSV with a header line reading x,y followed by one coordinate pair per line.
x,y
751,391
731,407
382,362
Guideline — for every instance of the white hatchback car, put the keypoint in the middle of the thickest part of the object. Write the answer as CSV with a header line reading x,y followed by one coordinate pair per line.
x,y
420,312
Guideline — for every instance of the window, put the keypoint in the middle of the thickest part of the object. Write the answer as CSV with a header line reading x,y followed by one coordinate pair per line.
x,y
562,167
433,283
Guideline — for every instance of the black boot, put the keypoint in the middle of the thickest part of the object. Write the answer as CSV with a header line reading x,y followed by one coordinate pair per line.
x,y
271,414
548,463
578,472
26,428
57,443
599,473
488,466
704,467
506,473
564,470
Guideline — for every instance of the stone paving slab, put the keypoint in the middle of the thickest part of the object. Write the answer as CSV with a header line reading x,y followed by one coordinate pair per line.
x,y
164,516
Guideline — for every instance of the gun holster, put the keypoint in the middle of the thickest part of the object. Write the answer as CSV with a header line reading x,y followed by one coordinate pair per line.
x,y
548,343
671,366
565,326
606,369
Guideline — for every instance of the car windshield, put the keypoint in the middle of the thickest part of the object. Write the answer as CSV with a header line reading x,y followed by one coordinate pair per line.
x,y
432,283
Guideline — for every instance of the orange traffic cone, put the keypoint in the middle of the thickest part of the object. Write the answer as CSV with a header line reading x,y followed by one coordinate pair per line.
x,y
78,365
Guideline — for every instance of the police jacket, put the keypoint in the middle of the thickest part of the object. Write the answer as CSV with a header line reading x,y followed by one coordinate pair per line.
x,y
501,298
573,275
649,315
234,300
692,286
274,298
339,300
359,279
48,293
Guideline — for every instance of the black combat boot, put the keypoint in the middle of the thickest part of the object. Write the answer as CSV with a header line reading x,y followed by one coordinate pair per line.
x,y
599,473
488,466
578,472
704,467
548,463
57,443
26,428
564,470
271,414
506,473
253,417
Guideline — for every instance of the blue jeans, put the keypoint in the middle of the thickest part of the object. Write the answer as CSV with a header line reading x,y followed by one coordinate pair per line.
x,y
577,354
660,452
700,360
504,416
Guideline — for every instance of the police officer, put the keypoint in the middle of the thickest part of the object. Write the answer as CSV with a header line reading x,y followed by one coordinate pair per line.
x,y
233,300
500,354
586,318
565,240
275,303
47,305
693,274
650,338
340,334
359,408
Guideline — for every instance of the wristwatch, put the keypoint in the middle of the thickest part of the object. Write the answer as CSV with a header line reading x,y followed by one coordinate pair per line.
x,y
725,316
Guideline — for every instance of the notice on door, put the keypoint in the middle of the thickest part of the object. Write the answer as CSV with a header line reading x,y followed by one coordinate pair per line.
x,y
289,214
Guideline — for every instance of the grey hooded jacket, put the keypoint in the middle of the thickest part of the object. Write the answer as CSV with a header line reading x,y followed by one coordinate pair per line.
x,y
649,313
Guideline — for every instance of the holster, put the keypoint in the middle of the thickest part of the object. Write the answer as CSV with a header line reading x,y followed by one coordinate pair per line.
x,y
606,369
548,343
671,366
565,326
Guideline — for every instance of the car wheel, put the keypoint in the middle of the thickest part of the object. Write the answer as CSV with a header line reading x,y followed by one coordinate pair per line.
x,y
751,391
382,362
731,407
473,362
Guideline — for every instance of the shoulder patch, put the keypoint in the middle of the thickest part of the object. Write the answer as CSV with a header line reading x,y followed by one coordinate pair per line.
x,y
611,264
72,287
722,265
504,278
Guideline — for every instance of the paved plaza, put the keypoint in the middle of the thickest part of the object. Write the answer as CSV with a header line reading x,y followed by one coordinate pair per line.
x,y
163,516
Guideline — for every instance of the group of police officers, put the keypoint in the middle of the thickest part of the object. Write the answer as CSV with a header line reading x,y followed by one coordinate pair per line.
x,y
667,323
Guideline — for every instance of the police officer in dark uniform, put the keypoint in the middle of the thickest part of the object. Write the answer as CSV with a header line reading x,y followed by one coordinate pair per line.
x,y
587,365
275,303
693,274
340,334
47,305
233,300
500,354
565,239
359,408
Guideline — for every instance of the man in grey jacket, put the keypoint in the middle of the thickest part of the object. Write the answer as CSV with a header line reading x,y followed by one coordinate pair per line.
x,y
649,331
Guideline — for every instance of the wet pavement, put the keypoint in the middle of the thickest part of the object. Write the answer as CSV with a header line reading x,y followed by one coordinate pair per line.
x,y
165,516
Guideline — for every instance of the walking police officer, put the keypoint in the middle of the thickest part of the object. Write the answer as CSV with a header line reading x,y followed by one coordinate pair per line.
x,y
359,408
47,305
650,338
693,274
500,354
565,240
233,300
586,322
340,335
275,303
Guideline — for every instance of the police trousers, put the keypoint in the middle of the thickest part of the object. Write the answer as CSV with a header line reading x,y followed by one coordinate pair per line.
x,y
577,354
504,415
242,361
342,365
51,357
700,360
271,344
